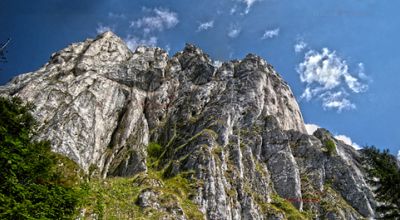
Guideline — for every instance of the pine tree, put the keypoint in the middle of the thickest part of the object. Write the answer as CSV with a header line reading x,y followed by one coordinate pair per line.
x,y
30,186
385,177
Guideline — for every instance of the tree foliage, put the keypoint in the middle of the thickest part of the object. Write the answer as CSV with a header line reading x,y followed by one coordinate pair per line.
x,y
30,185
385,177
330,147
154,150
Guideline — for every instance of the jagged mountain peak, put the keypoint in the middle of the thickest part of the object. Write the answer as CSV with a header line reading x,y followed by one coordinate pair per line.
x,y
108,35
192,48
236,128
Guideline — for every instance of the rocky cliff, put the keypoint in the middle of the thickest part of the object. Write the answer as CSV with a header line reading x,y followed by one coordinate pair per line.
x,y
234,130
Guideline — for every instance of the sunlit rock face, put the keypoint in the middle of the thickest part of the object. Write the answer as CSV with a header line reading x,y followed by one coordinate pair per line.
x,y
236,127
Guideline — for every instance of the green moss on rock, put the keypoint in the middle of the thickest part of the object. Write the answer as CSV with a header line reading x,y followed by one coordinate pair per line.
x,y
286,207
117,197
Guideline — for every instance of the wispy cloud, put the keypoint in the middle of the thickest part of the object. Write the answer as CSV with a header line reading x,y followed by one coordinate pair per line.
x,y
336,100
160,20
347,140
236,8
234,31
270,33
103,28
145,30
327,78
300,46
205,26
249,4
133,42
233,10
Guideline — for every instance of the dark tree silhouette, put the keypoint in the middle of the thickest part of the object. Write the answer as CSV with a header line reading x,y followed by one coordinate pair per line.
x,y
31,184
384,176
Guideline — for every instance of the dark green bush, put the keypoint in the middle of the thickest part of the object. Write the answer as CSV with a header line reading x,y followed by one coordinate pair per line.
x,y
330,146
154,150
30,185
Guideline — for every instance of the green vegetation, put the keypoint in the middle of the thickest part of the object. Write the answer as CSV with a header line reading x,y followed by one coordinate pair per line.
x,y
117,198
206,132
332,202
154,151
260,169
34,182
277,206
290,211
113,198
330,147
385,177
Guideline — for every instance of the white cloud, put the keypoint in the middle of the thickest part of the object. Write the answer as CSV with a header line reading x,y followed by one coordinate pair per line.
x,y
148,27
249,3
205,26
299,46
339,104
327,77
311,128
133,42
233,10
324,68
270,33
234,31
102,28
361,73
160,20
348,141
336,100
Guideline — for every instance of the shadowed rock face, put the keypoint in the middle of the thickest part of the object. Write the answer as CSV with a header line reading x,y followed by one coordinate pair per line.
x,y
237,127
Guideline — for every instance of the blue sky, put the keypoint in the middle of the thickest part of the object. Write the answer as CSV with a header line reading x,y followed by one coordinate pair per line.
x,y
340,57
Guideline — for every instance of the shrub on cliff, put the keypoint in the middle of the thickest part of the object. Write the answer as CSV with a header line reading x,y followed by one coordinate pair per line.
x,y
330,147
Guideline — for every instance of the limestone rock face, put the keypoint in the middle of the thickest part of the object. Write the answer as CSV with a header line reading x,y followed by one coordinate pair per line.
x,y
237,128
